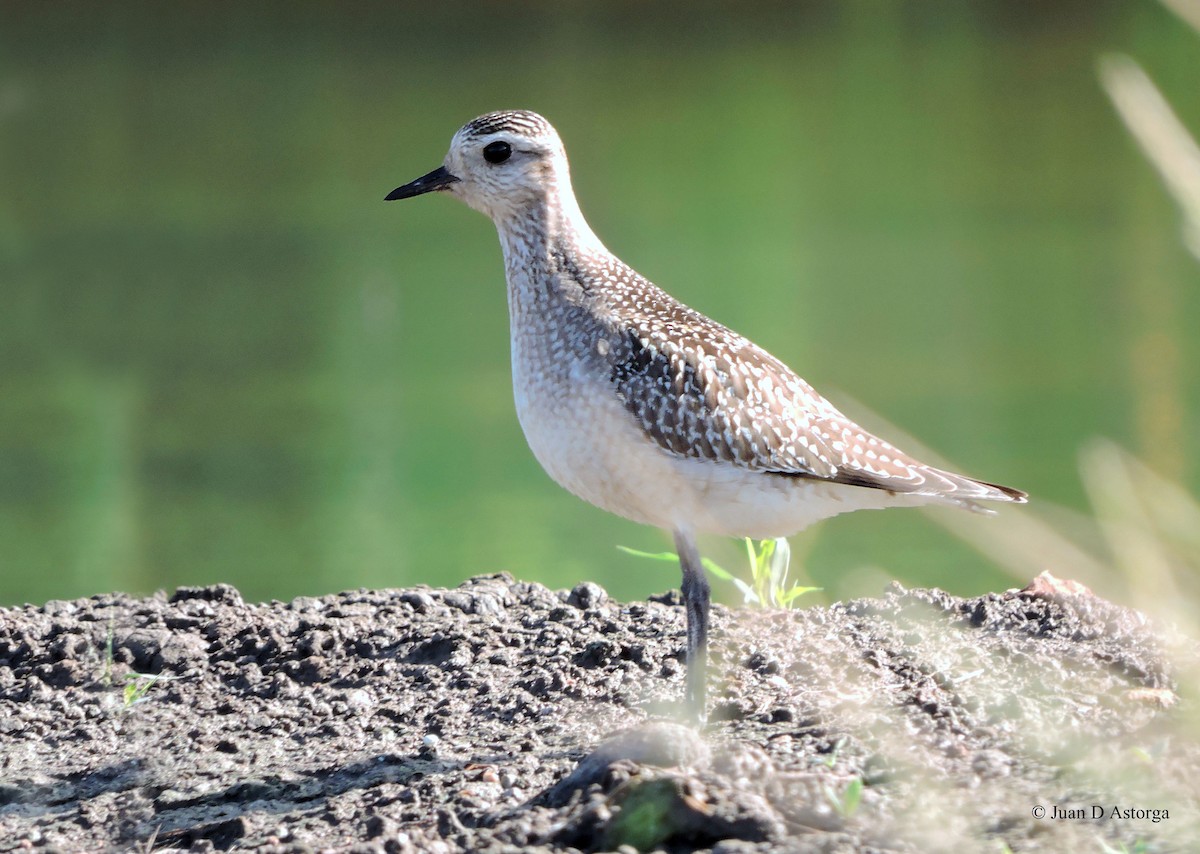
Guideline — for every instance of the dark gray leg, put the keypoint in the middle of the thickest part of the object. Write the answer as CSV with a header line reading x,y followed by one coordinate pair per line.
x,y
695,601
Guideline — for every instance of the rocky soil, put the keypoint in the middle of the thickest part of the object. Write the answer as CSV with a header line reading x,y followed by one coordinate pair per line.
x,y
503,716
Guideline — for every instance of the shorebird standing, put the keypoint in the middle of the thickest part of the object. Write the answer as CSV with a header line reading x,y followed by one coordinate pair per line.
x,y
642,406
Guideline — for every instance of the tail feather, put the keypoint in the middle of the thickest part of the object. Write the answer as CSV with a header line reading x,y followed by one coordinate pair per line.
x,y
971,488
927,480
968,491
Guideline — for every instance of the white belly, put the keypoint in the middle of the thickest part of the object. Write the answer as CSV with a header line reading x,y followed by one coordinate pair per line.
x,y
592,446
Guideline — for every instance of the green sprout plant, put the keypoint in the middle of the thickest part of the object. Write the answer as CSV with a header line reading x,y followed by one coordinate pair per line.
x,y
847,803
769,564
138,685
832,758
106,676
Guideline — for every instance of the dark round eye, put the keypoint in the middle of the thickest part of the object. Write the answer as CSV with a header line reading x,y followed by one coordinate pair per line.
x,y
497,152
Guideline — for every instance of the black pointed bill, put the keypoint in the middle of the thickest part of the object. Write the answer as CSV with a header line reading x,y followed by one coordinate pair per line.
x,y
438,179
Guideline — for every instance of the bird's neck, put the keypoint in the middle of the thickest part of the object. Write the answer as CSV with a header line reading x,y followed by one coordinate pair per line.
x,y
541,242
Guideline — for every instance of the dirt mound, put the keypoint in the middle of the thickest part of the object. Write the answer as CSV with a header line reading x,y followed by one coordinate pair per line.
x,y
503,716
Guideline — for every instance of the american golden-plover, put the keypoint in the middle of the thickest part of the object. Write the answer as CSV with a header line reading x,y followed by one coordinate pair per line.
x,y
642,406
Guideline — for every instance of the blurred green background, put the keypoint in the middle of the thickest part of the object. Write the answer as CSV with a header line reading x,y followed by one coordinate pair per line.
x,y
224,358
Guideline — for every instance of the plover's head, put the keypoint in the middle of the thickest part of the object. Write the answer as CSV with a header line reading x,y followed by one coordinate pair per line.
x,y
502,164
